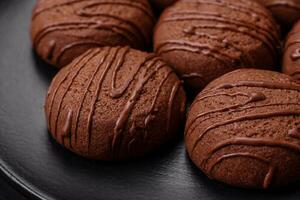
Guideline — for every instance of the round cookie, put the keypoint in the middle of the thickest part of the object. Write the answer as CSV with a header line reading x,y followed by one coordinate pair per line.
x,y
291,56
61,30
204,39
244,129
115,103
286,12
161,4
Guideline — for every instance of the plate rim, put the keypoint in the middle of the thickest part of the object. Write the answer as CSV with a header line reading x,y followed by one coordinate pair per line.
x,y
20,185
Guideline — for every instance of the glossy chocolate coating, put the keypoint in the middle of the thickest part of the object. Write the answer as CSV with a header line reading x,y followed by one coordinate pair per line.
x,y
291,56
204,39
244,129
115,103
61,30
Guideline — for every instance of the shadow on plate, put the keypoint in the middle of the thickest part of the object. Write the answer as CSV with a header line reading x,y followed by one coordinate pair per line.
x,y
43,69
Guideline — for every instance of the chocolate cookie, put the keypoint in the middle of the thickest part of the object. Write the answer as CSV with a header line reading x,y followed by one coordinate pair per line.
x,y
291,57
161,4
115,103
203,39
244,129
61,30
287,12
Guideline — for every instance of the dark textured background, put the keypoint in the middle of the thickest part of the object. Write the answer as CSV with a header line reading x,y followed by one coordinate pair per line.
x,y
36,166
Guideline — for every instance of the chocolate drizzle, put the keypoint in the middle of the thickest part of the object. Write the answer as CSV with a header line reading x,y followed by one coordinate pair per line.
x,y
269,176
260,84
243,118
89,18
223,43
258,142
252,98
174,91
83,25
256,96
121,121
77,67
111,59
251,10
295,132
52,45
251,142
296,76
201,98
194,47
291,55
133,4
86,91
41,9
189,129
296,55
280,3
66,130
228,24
214,20
117,92
96,95
255,142
74,45
293,38
152,108
139,32
68,88
236,120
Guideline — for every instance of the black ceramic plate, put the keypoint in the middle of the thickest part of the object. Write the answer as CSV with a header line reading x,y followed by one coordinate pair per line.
x,y
38,167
